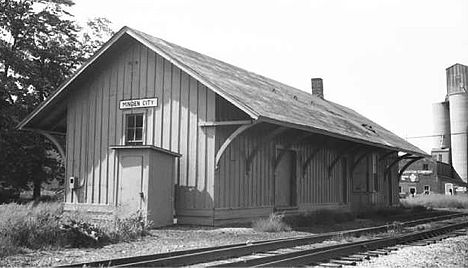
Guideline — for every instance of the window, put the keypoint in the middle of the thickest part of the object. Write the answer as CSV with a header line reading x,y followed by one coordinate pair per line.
x,y
400,189
440,157
427,189
134,129
425,166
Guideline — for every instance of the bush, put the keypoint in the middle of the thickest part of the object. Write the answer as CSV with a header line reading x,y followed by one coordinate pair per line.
x,y
44,225
274,223
436,201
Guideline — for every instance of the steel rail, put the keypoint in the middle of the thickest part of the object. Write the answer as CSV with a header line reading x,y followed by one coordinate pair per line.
x,y
200,255
316,255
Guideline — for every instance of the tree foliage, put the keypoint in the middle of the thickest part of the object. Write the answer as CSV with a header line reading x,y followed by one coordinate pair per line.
x,y
40,46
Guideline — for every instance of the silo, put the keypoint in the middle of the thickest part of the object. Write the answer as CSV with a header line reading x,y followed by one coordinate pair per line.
x,y
441,125
458,98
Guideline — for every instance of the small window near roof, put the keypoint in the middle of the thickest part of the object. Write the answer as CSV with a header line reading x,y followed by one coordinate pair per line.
x,y
425,166
134,129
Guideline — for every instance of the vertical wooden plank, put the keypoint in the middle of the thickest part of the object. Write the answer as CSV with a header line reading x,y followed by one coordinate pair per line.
x,y
193,142
166,105
210,146
142,93
158,123
184,136
151,92
318,170
81,101
129,73
113,106
230,186
121,83
237,164
91,139
135,75
201,174
97,137
222,181
77,141
103,197
70,148
254,181
175,131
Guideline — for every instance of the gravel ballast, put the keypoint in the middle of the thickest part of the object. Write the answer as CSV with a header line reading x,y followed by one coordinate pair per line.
x,y
450,252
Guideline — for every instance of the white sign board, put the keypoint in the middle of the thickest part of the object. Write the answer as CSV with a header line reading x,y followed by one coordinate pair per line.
x,y
138,103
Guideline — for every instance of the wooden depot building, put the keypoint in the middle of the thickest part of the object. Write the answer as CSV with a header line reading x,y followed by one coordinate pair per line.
x,y
154,127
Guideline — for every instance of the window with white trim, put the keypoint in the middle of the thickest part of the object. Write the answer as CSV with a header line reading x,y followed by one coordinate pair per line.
x,y
134,129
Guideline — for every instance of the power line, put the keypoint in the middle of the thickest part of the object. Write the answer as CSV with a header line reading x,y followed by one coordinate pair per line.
x,y
435,135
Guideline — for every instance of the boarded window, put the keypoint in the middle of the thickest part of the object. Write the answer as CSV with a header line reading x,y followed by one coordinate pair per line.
x,y
134,129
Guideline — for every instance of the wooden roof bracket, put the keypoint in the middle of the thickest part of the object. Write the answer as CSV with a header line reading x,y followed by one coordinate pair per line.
x,y
273,134
359,159
387,168
382,158
413,159
299,138
341,154
310,158
50,136
231,137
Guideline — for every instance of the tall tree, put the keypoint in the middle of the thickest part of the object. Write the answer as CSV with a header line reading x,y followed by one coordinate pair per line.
x,y
40,45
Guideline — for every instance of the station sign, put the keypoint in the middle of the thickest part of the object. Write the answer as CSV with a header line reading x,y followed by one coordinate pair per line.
x,y
138,103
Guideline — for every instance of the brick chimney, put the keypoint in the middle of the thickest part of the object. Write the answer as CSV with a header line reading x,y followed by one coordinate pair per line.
x,y
317,87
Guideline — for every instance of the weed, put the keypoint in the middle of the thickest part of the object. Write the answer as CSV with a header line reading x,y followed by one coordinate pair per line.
x,y
126,229
274,223
44,225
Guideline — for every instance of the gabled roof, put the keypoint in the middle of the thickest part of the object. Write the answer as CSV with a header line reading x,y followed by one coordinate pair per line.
x,y
260,97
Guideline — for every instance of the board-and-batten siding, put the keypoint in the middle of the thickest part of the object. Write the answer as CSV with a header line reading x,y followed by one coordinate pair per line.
x,y
95,122
235,188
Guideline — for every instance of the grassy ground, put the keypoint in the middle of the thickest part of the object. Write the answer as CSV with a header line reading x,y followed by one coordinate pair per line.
x,y
329,220
44,225
459,201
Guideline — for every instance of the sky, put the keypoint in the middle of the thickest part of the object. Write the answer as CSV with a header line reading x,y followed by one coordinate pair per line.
x,y
384,59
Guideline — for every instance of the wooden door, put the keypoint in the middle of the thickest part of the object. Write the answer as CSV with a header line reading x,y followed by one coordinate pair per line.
x,y
285,184
131,177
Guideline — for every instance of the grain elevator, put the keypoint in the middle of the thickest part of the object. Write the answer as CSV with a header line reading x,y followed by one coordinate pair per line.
x,y
451,122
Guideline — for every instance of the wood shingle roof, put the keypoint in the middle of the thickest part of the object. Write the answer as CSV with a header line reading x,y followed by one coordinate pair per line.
x,y
265,99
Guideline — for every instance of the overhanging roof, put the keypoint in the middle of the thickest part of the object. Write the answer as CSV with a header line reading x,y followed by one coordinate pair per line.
x,y
260,97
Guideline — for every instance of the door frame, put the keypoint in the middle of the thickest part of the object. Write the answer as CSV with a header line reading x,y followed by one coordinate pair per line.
x,y
294,194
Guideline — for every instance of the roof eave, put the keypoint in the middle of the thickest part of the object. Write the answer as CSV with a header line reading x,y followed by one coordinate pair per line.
x,y
340,136
23,124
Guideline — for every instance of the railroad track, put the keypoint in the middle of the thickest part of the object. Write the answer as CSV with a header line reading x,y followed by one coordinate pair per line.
x,y
292,251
